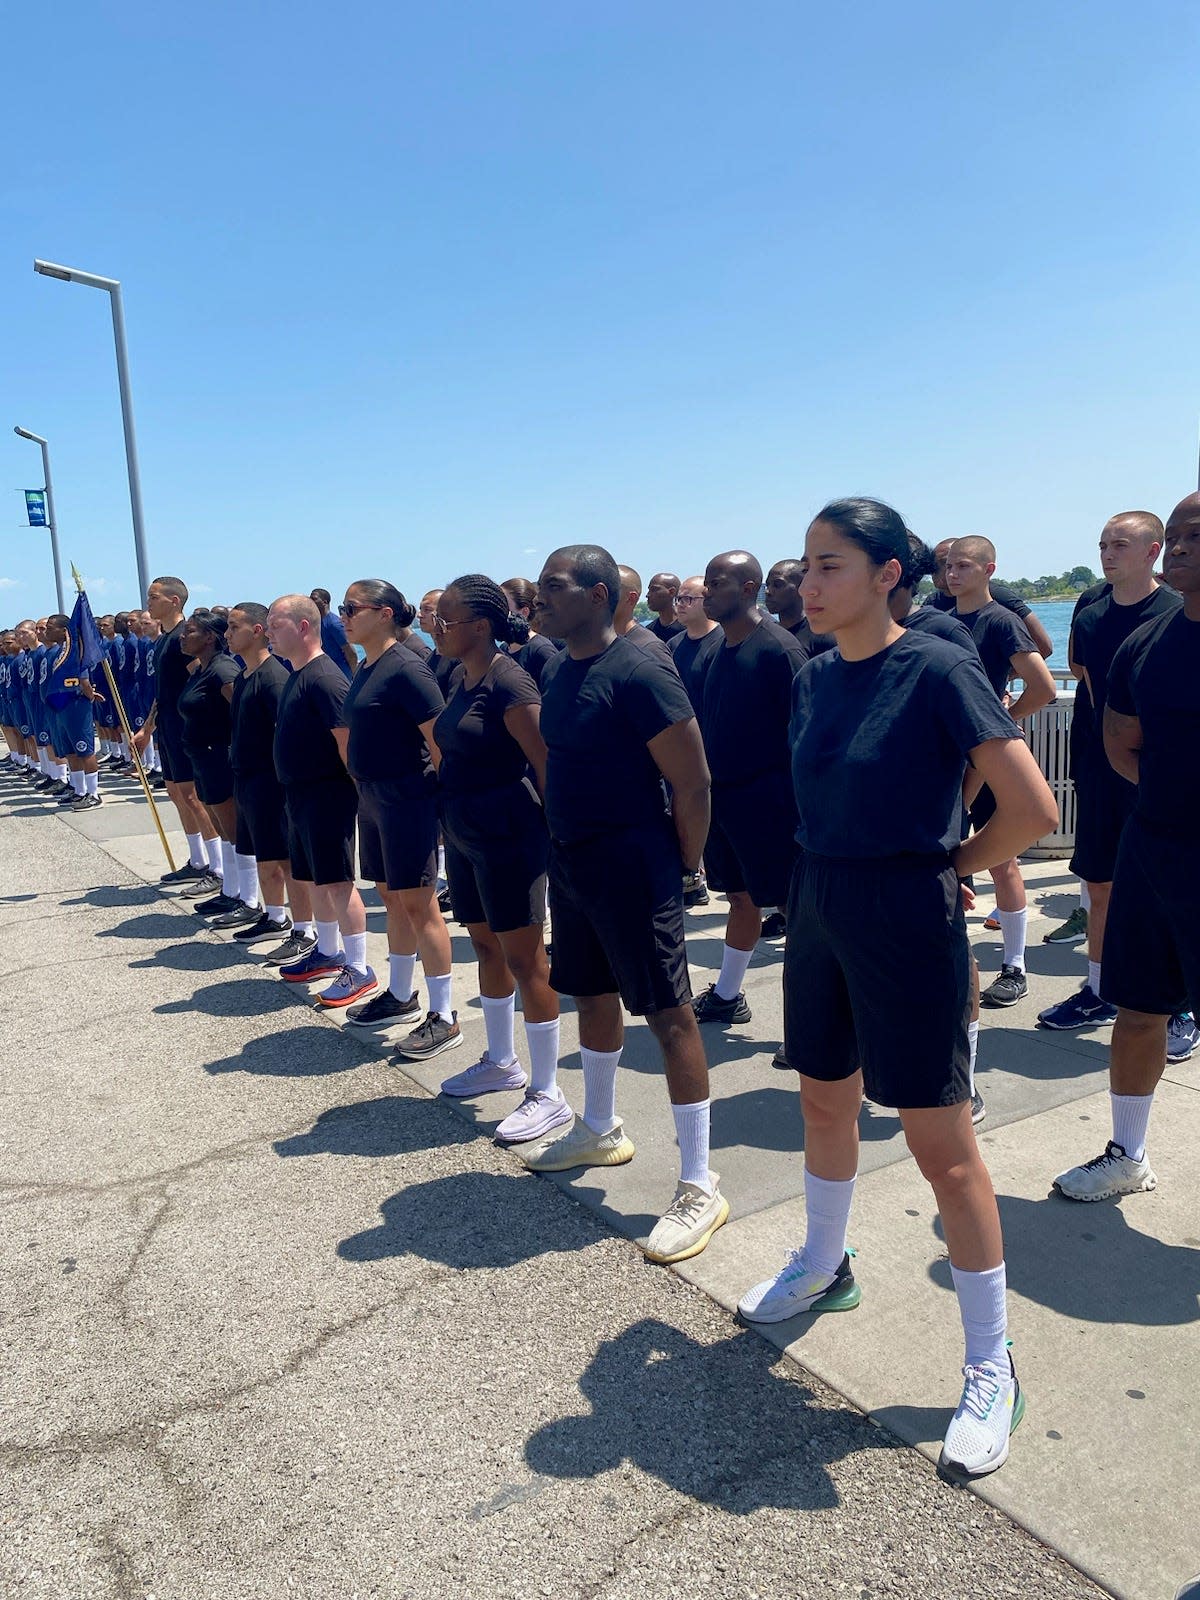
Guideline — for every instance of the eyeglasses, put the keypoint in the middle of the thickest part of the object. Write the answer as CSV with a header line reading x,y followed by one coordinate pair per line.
x,y
353,607
688,599
440,625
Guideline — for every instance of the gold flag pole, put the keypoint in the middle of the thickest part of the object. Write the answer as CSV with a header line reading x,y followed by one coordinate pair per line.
x,y
127,731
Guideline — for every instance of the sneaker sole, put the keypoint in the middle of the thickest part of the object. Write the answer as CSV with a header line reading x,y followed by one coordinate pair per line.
x,y
428,1055
336,1005
244,936
491,1088
1075,1027
616,1157
696,1246
310,977
383,1022
1075,939
1148,1183
956,1469
737,1020
1002,1005
844,1296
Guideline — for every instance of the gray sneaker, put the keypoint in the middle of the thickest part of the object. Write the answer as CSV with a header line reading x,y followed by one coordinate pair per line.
x,y
1005,990
294,948
1110,1174
433,1036
688,1223
201,888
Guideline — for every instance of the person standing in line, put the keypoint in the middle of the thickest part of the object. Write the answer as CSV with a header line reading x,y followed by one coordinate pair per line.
x,y
660,597
204,713
943,599
333,635
882,730
617,723
692,649
536,650
781,597
623,618
70,698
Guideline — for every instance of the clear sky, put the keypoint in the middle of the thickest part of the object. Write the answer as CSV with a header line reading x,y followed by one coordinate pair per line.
x,y
417,290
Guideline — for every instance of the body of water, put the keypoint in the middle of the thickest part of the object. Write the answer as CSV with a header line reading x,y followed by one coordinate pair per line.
x,y
1055,617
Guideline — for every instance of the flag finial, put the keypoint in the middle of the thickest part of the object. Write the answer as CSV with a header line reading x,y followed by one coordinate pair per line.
x,y
78,579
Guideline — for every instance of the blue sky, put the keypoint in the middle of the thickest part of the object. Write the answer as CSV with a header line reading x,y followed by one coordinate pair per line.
x,y
413,291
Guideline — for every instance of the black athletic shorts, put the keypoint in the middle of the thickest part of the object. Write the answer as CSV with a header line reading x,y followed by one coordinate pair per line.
x,y
983,808
321,830
1103,804
1151,956
752,839
262,830
854,996
617,907
397,831
211,773
497,848
176,765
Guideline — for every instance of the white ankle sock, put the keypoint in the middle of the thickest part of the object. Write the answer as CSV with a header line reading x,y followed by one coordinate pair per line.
x,y
498,1023
75,779
247,871
308,929
691,1129
1012,931
355,946
91,782
229,869
1094,977
733,972
1085,896
276,913
1131,1118
973,1046
599,1088
439,996
400,976
212,849
827,1210
329,938
542,1039
981,1304
196,852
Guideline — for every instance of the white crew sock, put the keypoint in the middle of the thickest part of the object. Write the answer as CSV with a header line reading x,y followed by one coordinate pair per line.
x,y
439,996
1085,896
247,871
229,869
105,748
195,843
212,848
733,972
60,771
76,781
329,938
308,929
498,1021
1131,1117
981,1304
355,945
973,1047
599,1088
441,863
827,1210
1094,977
44,761
275,913
542,1039
691,1130
1012,931
124,749
400,976
91,782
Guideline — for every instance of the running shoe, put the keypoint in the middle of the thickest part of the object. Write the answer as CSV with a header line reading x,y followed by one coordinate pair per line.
x,y
695,890
978,1109
774,926
350,983
580,1147
444,901
86,802
992,924
781,1061
538,1115
67,797
156,780
688,1223
485,1077
316,964
1072,931
1005,990
242,916
709,1007
202,887
294,948
262,929
1104,1176
991,1407
1084,1009
383,1008
44,785
1182,1037
61,791
796,1287
433,1036
217,905
187,873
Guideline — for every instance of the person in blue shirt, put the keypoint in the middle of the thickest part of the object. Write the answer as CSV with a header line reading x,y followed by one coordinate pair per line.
x,y
68,695
333,634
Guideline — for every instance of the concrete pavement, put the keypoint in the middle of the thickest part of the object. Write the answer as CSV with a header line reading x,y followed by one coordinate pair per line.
x,y
279,1323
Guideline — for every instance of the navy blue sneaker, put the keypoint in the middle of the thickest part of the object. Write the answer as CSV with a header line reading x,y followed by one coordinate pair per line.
x,y
1082,1010
316,964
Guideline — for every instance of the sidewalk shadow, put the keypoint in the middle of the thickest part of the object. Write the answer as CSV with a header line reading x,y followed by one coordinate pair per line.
x,y
114,896
154,925
234,998
199,957
1044,1056
769,1119
393,1125
719,1423
305,1052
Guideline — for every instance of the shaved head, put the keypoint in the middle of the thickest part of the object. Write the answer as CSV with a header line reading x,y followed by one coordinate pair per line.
x,y
739,564
977,548
299,607
630,579
1143,525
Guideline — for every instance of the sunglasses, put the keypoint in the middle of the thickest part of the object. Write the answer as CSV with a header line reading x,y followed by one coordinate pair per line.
x,y
353,607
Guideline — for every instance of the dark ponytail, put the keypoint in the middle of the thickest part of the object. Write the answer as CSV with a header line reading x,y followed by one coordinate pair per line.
x,y
486,600
379,592
214,626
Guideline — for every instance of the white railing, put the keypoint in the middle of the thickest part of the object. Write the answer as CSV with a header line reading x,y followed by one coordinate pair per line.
x,y
1049,735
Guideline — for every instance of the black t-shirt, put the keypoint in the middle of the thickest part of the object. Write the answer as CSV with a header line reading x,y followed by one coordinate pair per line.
x,y
443,669
651,643
942,625
693,657
813,644
1001,594
1101,630
1155,677
747,702
879,747
385,706
999,634
534,655
478,752
665,631
1083,718
418,647
170,677
310,707
255,710
202,707
598,716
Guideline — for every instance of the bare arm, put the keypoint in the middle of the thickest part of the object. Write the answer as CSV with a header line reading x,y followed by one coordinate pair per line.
x,y
679,755
1039,635
1123,744
524,723
341,737
435,755
1025,808
1039,685
227,691
351,656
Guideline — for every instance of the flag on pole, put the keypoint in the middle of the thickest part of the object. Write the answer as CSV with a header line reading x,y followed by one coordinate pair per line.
x,y
35,508
84,642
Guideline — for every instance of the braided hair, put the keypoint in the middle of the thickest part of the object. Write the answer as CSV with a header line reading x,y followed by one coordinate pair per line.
x,y
486,600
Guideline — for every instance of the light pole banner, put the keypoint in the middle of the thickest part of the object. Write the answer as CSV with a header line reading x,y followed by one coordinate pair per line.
x,y
35,506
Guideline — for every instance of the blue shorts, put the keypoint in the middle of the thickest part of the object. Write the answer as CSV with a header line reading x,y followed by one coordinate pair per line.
x,y
74,728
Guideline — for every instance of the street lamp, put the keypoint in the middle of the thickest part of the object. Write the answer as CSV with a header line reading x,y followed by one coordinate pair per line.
x,y
112,287
36,438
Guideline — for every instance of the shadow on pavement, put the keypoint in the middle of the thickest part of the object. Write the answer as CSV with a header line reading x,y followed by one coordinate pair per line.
x,y
394,1125
717,1423
305,1052
113,896
769,1119
199,957
154,925
232,999
1044,1056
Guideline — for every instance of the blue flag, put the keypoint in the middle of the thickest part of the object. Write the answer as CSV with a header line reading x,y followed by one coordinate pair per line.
x,y
85,642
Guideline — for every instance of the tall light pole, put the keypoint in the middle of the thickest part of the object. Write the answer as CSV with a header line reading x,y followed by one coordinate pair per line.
x,y
36,438
112,287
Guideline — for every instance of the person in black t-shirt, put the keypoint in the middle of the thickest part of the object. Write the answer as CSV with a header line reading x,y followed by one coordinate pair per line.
x,y
660,597
443,667
1151,961
693,649
623,618
204,716
744,720
333,634
497,848
617,722
943,600
882,730
1129,546
781,597
321,802
1006,650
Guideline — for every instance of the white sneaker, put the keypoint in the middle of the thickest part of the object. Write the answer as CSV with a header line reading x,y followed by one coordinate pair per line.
x,y
688,1223
796,1288
485,1077
537,1115
992,1404
1104,1176
580,1147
